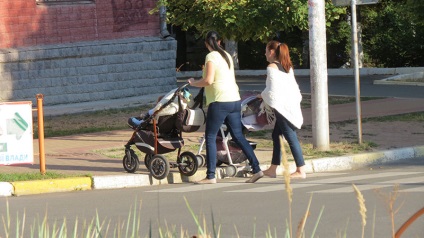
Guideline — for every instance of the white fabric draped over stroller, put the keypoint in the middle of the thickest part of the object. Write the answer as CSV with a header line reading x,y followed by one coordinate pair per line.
x,y
255,114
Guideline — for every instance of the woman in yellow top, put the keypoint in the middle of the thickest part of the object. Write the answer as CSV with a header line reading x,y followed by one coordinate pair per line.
x,y
224,106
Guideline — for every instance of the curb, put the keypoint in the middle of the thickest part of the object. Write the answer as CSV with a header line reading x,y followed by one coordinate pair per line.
x,y
139,180
51,185
412,79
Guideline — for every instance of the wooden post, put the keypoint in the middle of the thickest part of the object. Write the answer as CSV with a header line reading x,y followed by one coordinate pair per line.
x,y
40,114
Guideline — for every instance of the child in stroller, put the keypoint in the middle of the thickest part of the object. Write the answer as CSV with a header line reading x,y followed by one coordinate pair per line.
x,y
156,133
171,108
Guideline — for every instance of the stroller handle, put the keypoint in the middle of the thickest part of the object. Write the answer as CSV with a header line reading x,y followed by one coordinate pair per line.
x,y
183,86
186,84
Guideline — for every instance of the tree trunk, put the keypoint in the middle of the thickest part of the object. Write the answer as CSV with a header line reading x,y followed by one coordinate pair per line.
x,y
232,48
305,50
360,46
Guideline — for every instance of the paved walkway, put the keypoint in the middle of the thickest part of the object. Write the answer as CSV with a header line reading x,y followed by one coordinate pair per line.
x,y
77,154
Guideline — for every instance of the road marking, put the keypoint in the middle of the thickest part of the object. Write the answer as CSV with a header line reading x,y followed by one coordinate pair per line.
x,y
384,184
273,185
313,183
225,183
196,187
419,189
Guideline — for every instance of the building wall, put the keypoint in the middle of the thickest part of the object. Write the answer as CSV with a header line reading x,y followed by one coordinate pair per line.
x,y
78,51
24,23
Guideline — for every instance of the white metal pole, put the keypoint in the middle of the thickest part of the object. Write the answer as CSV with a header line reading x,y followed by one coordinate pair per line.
x,y
319,75
356,70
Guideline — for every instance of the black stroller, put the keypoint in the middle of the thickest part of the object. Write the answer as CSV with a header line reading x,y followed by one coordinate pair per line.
x,y
156,137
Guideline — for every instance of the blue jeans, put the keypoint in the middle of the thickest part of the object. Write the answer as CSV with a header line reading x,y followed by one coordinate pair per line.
x,y
284,128
230,114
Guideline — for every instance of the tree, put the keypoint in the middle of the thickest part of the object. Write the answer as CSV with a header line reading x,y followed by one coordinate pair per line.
x,y
242,20
394,33
416,8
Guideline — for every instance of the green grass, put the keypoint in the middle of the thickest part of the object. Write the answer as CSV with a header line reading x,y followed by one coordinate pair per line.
x,y
14,177
88,122
416,116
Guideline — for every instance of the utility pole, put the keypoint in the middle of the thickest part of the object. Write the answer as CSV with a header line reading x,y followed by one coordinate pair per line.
x,y
356,69
319,75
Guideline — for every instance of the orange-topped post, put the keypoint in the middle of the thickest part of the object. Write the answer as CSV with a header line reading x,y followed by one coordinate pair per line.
x,y
40,114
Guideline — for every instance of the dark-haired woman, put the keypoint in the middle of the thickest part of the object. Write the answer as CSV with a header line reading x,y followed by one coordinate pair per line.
x,y
283,95
224,106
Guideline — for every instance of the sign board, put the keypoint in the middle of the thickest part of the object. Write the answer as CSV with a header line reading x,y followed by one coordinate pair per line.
x,y
342,3
16,141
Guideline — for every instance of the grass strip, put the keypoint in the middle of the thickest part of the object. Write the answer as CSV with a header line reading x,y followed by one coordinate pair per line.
x,y
14,177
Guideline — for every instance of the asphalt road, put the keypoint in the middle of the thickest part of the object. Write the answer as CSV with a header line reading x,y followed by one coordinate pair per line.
x,y
340,85
243,210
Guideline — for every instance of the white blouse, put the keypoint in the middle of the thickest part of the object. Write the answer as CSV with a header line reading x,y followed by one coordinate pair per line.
x,y
283,94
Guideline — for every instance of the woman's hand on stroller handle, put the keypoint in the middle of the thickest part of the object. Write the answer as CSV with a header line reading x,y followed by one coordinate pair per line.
x,y
190,81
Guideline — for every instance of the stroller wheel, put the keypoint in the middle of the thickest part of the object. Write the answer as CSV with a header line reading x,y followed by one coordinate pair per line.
x,y
130,161
201,160
159,167
187,163
147,160
231,170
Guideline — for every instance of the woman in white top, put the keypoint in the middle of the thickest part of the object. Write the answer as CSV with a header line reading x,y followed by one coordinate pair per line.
x,y
283,95
224,106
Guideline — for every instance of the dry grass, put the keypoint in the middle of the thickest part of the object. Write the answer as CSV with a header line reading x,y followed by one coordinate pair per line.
x,y
362,207
389,200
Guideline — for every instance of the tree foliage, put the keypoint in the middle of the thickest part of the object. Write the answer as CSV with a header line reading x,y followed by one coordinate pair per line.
x,y
392,36
393,33
242,20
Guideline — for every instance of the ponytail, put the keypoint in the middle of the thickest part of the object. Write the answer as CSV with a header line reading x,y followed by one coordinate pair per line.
x,y
212,39
281,53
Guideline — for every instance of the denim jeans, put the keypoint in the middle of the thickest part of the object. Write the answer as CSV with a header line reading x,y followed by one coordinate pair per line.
x,y
284,128
230,114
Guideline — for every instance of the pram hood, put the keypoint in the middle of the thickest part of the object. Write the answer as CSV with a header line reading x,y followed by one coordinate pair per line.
x,y
175,103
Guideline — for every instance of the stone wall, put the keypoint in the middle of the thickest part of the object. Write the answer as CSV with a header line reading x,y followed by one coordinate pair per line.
x,y
88,71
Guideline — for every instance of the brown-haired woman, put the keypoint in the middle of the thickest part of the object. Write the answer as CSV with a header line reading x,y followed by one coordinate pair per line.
x,y
283,95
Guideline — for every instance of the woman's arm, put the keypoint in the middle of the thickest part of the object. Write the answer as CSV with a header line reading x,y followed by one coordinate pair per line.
x,y
208,80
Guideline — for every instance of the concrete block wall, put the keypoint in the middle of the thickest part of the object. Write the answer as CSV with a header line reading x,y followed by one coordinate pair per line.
x,y
88,71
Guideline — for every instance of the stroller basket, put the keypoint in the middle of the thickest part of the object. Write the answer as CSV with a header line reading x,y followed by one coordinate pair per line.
x,y
237,155
144,141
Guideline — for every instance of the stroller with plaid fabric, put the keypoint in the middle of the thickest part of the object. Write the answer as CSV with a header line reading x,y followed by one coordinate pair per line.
x,y
158,135
254,117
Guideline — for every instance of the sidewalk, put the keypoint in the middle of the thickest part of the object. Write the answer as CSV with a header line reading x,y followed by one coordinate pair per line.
x,y
77,154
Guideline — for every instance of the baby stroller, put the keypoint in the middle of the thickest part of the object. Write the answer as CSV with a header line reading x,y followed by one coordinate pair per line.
x,y
156,136
254,117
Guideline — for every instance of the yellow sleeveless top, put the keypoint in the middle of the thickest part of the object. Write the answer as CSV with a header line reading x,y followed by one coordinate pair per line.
x,y
224,88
